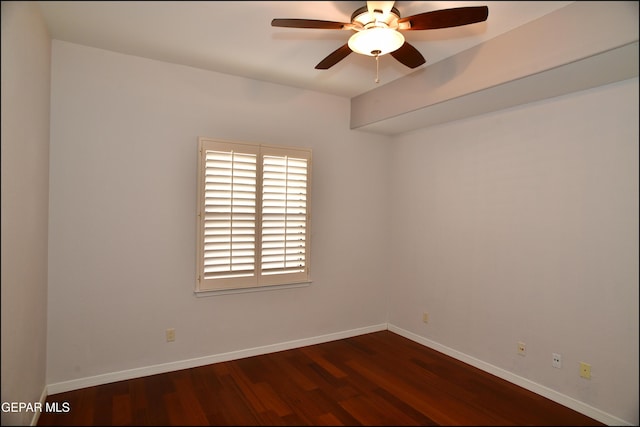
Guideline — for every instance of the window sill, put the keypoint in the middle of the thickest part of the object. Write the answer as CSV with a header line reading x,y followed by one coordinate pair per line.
x,y
213,292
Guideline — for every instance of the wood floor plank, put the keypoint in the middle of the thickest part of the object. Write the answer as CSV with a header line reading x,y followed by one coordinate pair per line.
x,y
379,378
271,400
121,415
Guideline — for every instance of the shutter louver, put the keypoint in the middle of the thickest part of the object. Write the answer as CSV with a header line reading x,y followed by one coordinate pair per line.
x,y
284,215
229,215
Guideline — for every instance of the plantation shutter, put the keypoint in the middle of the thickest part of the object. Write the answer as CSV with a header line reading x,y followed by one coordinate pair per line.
x,y
228,214
253,215
284,214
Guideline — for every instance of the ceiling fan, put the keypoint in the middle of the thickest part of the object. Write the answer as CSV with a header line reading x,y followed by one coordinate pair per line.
x,y
378,27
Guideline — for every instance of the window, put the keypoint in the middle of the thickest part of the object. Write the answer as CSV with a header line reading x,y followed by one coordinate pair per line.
x,y
253,215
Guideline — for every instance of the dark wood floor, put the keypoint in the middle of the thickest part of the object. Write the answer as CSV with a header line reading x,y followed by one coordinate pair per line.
x,y
379,378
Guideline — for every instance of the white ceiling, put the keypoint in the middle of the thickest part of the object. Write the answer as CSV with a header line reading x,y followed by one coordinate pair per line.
x,y
236,37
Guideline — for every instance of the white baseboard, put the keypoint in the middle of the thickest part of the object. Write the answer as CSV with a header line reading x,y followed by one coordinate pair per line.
x,y
36,414
207,360
560,398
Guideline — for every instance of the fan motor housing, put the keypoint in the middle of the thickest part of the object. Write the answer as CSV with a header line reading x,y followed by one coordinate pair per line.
x,y
362,17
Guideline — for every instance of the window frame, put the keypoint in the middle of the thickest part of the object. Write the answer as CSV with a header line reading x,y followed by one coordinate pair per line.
x,y
257,280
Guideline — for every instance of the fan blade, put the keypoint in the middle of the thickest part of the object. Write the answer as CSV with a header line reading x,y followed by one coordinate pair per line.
x,y
311,23
334,57
445,18
408,55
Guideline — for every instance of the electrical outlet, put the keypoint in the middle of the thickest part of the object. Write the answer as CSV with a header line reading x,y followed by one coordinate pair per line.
x,y
556,360
425,317
585,370
522,348
171,335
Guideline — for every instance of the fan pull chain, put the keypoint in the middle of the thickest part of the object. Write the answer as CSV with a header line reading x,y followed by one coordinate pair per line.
x,y
376,53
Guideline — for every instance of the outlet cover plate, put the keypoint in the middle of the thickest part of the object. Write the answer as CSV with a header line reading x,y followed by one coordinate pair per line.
x,y
522,348
556,360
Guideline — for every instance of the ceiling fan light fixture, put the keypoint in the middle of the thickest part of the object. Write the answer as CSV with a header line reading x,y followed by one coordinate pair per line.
x,y
376,41
377,27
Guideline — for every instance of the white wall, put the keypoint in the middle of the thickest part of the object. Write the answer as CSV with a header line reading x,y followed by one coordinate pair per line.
x,y
522,225
123,214
26,66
